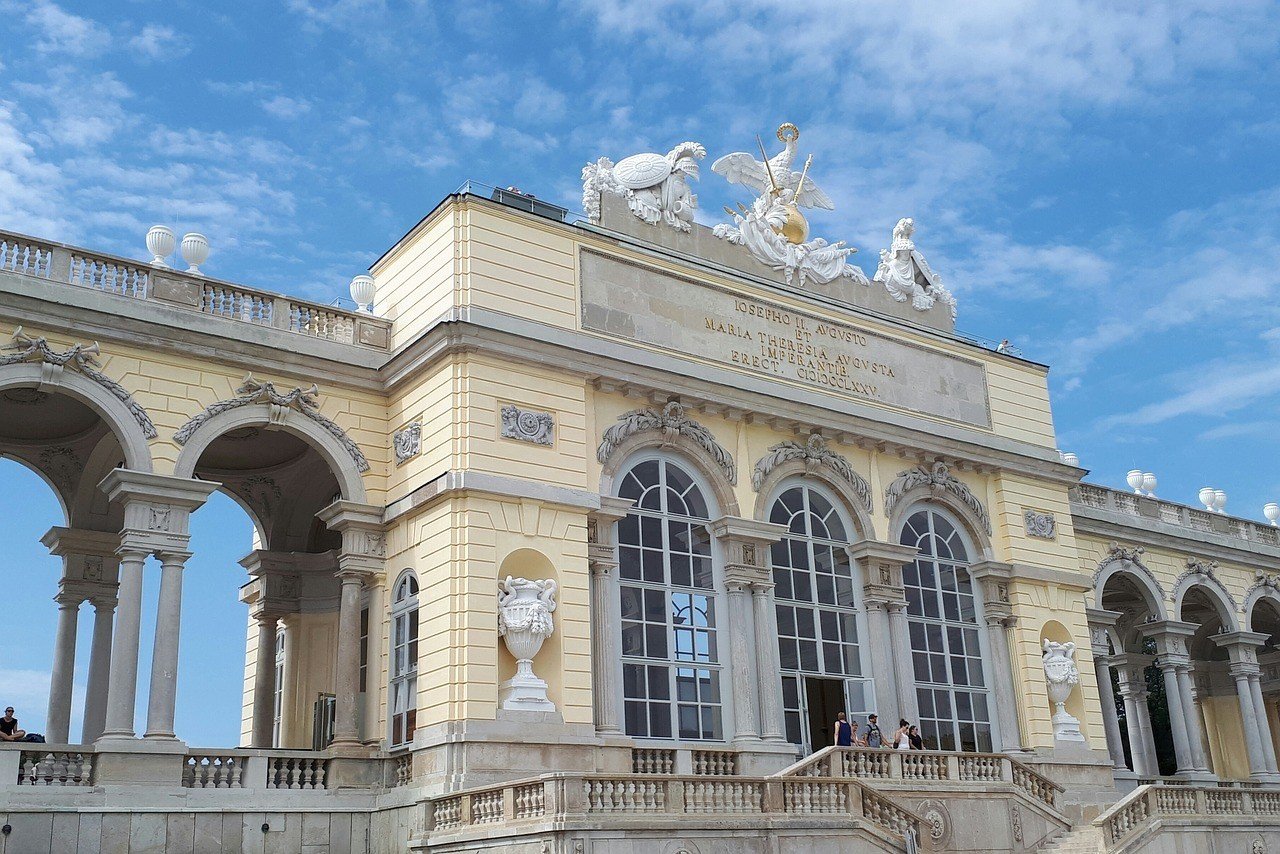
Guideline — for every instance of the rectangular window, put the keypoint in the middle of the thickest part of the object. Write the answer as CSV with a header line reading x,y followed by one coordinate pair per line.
x,y
364,650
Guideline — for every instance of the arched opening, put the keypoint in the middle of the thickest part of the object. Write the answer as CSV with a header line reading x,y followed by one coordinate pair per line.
x,y
403,669
817,589
1264,618
673,686
947,646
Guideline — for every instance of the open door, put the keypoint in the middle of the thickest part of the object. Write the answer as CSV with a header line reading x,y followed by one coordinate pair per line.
x,y
824,699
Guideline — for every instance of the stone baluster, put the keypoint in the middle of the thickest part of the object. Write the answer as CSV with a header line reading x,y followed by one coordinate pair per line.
x,y
606,638
997,608
745,545
363,553
1100,624
888,642
264,682
58,720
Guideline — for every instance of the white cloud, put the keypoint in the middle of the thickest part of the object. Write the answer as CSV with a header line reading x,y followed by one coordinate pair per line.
x,y
156,42
61,32
284,107
540,103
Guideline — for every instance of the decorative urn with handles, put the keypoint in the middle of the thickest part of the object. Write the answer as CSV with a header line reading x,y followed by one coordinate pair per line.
x,y
524,623
1062,675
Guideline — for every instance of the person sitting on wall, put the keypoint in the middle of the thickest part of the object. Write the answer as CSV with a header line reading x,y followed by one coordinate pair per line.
x,y
9,727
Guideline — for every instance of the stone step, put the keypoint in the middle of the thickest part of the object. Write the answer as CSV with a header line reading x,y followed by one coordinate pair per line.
x,y
1081,839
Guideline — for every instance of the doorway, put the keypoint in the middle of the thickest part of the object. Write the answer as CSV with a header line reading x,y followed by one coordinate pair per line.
x,y
824,699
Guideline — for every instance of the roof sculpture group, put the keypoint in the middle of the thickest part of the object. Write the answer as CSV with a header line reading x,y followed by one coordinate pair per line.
x,y
773,229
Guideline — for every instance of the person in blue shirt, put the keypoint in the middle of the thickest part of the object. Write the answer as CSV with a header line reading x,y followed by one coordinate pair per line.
x,y
844,732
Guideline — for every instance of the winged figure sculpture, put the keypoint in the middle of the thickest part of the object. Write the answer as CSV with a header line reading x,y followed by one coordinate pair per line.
x,y
775,174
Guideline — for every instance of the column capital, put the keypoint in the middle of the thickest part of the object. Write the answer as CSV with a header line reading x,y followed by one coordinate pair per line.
x,y
103,603
169,556
1241,647
746,544
1101,622
157,508
364,538
881,568
264,618
602,553
994,577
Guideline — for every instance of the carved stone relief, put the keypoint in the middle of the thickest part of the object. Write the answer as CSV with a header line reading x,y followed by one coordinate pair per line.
x,y
814,452
526,425
407,442
939,479
63,467
671,422
1040,525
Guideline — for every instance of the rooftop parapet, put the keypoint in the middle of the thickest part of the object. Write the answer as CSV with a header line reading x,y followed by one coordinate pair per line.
x,y
1191,519
130,279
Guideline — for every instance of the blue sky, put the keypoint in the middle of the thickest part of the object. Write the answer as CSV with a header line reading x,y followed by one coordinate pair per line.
x,y
1096,181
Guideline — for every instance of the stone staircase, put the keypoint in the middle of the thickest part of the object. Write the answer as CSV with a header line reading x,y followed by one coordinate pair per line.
x,y
1081,839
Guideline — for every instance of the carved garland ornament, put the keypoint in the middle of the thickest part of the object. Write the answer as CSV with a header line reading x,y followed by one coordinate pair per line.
x,y
79,358
407,442
814,452
1207,570
1041,525
304,402
525,425
1117,553
939,479
672,422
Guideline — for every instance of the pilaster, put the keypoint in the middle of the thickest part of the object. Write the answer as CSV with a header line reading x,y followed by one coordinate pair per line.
x,y
888,642
993,577
606,651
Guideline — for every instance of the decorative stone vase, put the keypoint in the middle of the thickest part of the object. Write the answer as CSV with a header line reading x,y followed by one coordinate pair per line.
x,y
1062,675
1272,511
1206,498
362,292
524,623
160,243
1134,479
195,251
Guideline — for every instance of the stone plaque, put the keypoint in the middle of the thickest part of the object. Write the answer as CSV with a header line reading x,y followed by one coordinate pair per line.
x,y
768,339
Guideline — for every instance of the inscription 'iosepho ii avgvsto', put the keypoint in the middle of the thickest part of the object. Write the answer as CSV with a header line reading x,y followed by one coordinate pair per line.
x,y
766,339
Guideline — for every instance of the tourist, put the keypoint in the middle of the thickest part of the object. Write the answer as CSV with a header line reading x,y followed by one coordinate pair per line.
x,y
9,727
844,732
1005,348
901,736
873,738
917,741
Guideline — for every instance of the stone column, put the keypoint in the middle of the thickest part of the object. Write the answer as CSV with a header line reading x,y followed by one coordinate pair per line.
x,y
1100,623
746,712
264,682
288,700
1177,717
362,557
1171,637
1194,731
95,702
163,697
772,723
606,638
58,720
345,730
1242,648
157,515
1264,724
373,659
1131,668
888,642
997,609
122,688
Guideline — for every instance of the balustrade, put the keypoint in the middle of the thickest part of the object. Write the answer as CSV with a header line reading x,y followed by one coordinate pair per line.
x,y
715,763
653,760
212,771
103,274
297,772
1171,513
1149,802
24,256
226,301
55,768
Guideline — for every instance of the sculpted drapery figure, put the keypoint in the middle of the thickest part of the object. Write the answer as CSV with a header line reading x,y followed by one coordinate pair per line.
x,y
655,186
906,275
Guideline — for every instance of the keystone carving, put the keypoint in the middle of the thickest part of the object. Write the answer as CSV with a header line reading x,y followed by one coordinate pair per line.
x,y
814,452
939,480
671,422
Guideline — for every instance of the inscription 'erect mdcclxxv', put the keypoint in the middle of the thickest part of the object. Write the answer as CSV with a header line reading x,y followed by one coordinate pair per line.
x,y
771,341
795,346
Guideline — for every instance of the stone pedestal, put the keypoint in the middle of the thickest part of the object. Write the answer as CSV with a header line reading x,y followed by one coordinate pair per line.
x,y
139,762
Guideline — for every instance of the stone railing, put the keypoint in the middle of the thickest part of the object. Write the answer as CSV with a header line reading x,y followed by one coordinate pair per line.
x,y
1144,806
557,798
401,770
55,262
926,766
55,766
1171,513
702,762
254,769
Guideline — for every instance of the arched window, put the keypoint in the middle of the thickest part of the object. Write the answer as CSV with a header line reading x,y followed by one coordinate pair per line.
x,y
278,700
671,660
942,616
404,659
818,645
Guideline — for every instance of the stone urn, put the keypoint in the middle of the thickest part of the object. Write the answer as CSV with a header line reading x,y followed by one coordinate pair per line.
x,y
1062,676
524,623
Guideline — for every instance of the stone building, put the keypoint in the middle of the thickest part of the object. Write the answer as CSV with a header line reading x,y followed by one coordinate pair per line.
x,y
581,538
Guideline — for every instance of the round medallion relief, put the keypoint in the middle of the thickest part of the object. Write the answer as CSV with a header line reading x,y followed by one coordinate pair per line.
x,y
937,824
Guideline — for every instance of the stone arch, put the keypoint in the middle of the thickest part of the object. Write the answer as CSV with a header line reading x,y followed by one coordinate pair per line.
x,y
974,527
1263,590
1129,564
797,470
345,469
121,421
704,465
1214,591
65,502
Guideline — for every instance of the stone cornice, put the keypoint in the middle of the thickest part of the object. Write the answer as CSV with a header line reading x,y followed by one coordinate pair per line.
x,y
654,377
1059,577
1153,533
501,487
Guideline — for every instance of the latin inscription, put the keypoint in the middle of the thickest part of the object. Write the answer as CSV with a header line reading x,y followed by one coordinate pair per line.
x,y
775,342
